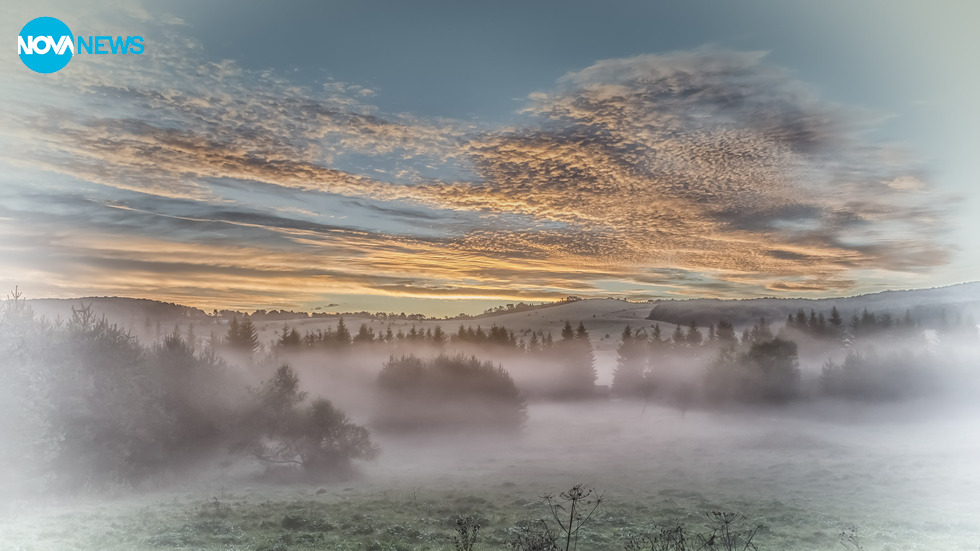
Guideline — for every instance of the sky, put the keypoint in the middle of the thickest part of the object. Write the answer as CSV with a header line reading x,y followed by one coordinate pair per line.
x,y
444,157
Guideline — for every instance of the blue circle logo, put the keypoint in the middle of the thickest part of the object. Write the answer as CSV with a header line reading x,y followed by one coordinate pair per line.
x,y
45,45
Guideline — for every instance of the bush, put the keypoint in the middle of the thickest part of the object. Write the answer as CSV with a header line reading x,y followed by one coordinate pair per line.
x,y
768,372
85,404
448,392
91,396
319,438
897,376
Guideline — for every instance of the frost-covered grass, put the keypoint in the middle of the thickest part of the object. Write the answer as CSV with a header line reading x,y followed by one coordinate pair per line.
x,y
904,481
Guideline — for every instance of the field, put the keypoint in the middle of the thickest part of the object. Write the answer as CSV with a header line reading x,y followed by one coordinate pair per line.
x,y
904,478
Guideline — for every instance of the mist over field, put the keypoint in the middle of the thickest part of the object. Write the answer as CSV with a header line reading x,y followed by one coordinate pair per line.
x,y
810,433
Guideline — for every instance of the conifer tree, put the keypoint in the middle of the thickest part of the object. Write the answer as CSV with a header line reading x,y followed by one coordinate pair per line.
x,y
342,335
242,335
693,337
630,364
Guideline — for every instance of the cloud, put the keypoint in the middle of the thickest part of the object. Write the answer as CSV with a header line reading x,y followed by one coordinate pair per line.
x,y
707,160
703,173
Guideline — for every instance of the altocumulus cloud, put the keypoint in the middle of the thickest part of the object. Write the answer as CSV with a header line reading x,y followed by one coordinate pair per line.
x,y
705,172
708,161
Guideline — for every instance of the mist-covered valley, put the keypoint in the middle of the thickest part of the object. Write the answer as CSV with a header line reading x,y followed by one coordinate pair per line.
x,y
161,427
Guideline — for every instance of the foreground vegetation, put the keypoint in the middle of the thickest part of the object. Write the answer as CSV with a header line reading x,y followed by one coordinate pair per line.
x,y
296,519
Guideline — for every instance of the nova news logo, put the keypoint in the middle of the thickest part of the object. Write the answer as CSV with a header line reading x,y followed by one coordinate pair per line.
x,y
46,45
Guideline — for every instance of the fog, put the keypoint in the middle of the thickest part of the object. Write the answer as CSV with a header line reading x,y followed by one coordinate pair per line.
x,y
872,429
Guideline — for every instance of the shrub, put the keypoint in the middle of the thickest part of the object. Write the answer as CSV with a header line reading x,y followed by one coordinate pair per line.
x,y
467,528
726,534
896,376
767,372
319,438
533,535
448,392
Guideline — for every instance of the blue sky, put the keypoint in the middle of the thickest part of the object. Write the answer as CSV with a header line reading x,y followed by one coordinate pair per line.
x,y
447,156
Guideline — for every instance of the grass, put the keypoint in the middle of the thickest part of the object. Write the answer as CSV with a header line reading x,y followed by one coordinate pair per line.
x,y
295,519
902,486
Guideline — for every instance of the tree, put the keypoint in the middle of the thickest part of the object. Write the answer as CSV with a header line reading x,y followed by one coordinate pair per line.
x,y
342,335
448,392
326,440
693,337
897,375
836,322
242,336
760,332
726,332
438,336
533,345
289,338
567,333
800,319
575,353
678,338
318,438
767,372
628,375
364,335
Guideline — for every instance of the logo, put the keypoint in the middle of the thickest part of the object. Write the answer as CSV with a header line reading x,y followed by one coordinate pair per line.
x,y
46,45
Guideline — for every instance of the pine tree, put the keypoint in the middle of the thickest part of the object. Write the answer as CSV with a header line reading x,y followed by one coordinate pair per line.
x,y
655,338
800,319
726,332
628,375
693,337
242,335
289,338
364,334
438,336
533,345
234,330
678,338
835,320
760,332
588,374
248,335
567,333
575,353
342,335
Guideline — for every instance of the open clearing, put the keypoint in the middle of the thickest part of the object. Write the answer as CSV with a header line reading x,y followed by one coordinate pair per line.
x,y
904,478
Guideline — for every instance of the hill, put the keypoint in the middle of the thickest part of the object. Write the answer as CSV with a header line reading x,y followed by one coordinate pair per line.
x,y
924,304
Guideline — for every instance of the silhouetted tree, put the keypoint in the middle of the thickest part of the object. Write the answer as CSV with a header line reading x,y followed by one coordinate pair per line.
x,y
678,338
289,338
342,334
242,336
725,333
448,392
318,438
760,332
767,372
575,352
630,365
836,322
694,336
365,335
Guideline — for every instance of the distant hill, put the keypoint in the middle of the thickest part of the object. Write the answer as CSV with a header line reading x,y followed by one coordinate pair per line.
x,y
926,305
600,315
121,310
